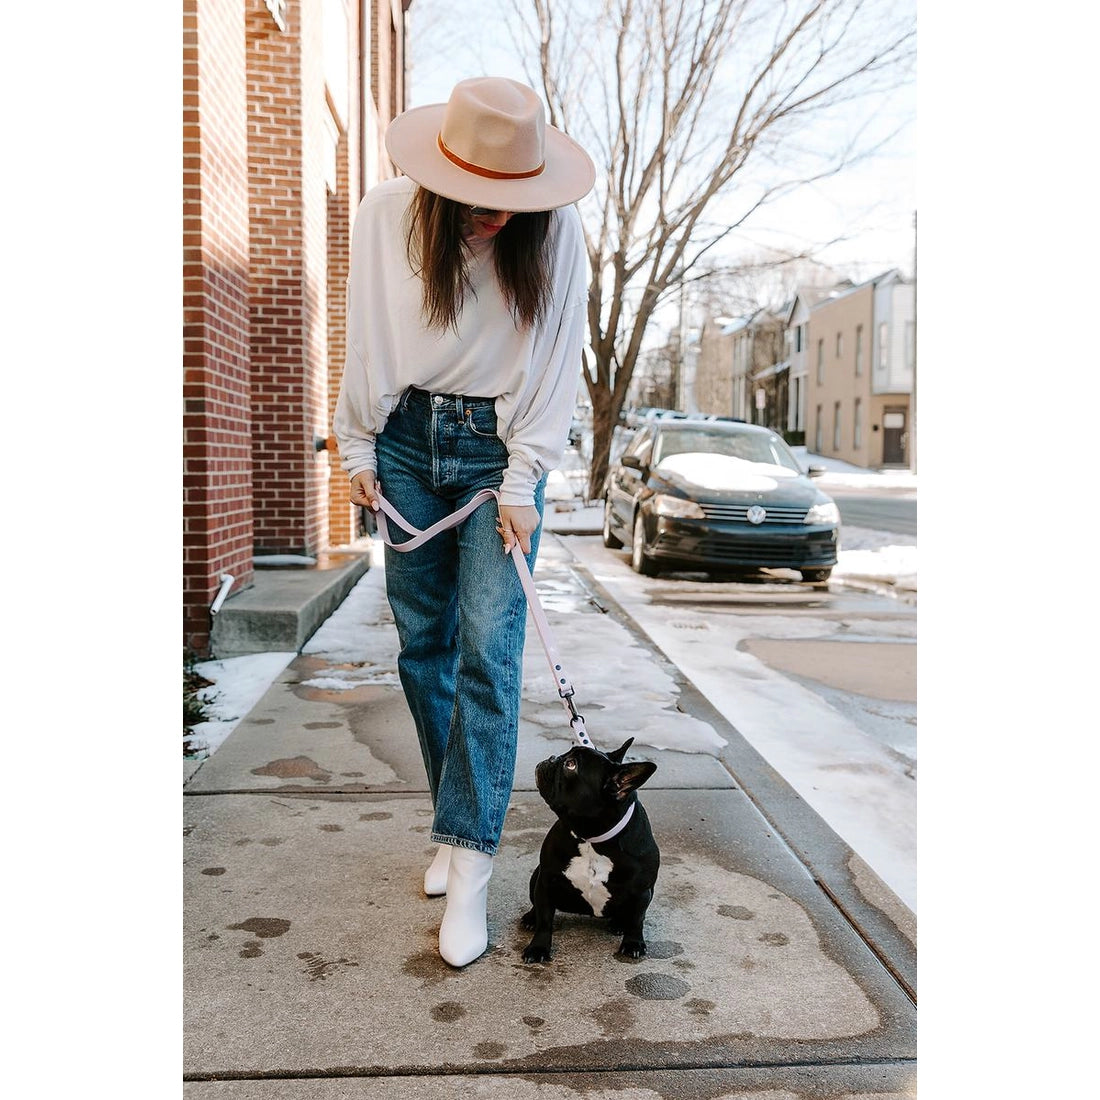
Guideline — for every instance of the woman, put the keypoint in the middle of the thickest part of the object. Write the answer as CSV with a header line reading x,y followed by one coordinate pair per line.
x,y
466,316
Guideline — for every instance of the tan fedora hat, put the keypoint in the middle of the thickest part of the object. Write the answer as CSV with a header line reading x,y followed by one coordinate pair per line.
x,y
489,145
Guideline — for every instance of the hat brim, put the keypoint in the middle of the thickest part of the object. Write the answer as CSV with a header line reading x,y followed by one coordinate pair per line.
x,y
412,143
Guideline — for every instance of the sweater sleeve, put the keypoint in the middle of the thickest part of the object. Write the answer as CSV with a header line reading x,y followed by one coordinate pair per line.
x,y
364,403
543,408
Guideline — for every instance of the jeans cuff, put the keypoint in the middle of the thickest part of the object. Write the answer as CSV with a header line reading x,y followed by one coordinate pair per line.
x,y
459,842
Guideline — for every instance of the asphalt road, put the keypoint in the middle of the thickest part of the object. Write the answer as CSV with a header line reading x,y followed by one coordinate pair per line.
x,y
879,513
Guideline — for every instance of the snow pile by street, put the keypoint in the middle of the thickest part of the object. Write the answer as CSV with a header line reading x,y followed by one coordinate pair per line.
x,y
882,556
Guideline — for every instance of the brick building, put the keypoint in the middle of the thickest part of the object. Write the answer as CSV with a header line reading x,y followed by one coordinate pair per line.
x,y
284,107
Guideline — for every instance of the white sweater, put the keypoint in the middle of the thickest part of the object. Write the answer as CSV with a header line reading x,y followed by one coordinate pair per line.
x,y
532,373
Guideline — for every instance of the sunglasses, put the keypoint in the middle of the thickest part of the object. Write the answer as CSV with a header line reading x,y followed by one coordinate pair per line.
x,y
481,211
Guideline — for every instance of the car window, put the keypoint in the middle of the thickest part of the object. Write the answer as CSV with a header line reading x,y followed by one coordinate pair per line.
x,y
753,447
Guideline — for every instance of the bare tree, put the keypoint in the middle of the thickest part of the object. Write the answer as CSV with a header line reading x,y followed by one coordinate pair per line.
x,y
678,100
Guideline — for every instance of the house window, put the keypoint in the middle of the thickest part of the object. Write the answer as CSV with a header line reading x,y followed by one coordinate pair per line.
x,y
910,343
839,344
817,432
836,426
859,350
798,337
857,426
820,361
883,335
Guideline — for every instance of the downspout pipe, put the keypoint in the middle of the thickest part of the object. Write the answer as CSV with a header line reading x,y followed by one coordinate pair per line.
x,y
227,583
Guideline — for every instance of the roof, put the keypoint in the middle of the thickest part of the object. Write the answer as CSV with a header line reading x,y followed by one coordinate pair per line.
x,y
811,295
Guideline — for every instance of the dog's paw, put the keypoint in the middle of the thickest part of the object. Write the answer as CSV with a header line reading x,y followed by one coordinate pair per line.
x,y
631,949
536,953
528,920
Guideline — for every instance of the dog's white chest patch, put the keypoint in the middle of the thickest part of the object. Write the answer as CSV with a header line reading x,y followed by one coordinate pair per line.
x,y
588,872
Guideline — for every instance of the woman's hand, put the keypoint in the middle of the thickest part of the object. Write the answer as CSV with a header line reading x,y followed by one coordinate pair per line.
x,y
364,490
517,525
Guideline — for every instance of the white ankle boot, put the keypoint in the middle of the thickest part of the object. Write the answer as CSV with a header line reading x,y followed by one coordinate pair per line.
x,y
435,877
463,936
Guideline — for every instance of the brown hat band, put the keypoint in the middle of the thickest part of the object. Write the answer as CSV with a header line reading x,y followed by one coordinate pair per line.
x,y
488,173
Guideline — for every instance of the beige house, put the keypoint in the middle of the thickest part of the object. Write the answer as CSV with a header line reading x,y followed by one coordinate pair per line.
x,y
858,348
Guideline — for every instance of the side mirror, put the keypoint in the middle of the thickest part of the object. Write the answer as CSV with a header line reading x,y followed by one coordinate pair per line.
x,y
633,462
816,471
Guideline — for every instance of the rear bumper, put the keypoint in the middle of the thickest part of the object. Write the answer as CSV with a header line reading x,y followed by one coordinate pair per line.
x,y
741,545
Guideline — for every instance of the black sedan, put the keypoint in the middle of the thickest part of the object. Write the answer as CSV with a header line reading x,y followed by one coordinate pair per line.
x,y
720,496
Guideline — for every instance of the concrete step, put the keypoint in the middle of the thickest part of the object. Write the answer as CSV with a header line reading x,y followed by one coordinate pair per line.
x,y
286,604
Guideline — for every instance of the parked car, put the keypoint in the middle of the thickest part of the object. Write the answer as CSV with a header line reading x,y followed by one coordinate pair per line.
x,y
718,495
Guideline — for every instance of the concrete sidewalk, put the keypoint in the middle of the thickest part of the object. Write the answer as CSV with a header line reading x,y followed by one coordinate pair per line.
x,y
310,962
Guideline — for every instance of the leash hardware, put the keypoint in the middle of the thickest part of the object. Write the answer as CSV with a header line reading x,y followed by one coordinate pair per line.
x,y
576,720
567,697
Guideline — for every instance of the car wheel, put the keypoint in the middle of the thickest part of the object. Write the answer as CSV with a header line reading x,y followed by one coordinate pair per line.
x,y
640,561
815,576
609,540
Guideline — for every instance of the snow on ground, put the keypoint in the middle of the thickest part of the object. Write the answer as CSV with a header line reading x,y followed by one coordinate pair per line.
x,y
843,475
238,685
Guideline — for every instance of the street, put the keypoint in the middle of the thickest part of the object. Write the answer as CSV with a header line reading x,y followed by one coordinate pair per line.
x,y
881,512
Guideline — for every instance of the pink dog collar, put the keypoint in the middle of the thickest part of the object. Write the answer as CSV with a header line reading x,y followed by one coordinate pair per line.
x,y
614,831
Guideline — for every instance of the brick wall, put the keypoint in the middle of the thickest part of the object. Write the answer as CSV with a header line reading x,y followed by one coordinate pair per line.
x,y
287,262
217,473
273,169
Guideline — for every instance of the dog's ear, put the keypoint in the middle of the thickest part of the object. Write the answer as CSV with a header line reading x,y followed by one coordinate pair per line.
x,y
620,752
628,777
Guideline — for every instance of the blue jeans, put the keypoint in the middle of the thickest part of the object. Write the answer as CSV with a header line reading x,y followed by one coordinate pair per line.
x,y
460,611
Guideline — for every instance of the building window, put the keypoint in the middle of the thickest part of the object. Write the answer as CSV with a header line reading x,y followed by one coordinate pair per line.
x,y
820,361
857,426
883,335
798,404
817,433
910,343
859,350
798,337
839,344
836,426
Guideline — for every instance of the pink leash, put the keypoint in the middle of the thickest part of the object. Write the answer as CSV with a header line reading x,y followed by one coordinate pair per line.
x,y
565,688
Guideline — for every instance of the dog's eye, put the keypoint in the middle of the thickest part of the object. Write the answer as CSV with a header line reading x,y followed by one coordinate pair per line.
x,y
570,765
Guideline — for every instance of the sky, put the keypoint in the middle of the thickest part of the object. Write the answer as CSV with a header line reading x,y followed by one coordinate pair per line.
x,y
871,204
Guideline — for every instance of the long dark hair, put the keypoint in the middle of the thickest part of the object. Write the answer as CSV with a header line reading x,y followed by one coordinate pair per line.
x,y
438,253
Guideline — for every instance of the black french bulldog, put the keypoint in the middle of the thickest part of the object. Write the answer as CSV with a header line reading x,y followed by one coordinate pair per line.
x,y
599,857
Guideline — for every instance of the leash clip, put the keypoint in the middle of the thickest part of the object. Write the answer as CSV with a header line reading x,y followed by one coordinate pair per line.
x,y
567,698
576,720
